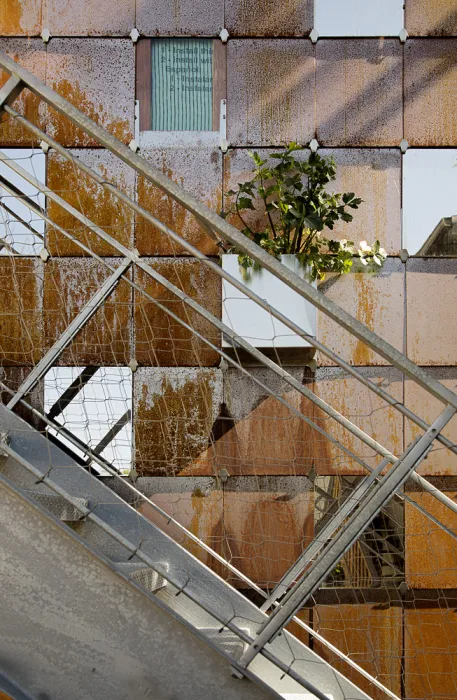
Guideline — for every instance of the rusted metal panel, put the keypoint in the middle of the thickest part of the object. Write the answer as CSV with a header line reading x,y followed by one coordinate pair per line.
x,y
196,503
160,340
440,461
21,329
371,636
375,176
359,92
266,18
197,169
375,300
68,286
180,18
174,409
423,18
430,653
268,521
79,190
271,92
431,560
31,54
430,307
257,435
430,93
20,17
370,413
86,18
98,77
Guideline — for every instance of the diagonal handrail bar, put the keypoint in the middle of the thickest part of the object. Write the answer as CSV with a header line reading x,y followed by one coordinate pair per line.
x,y
229,233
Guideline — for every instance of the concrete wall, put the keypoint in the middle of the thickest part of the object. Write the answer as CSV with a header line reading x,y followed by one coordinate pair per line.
x,y
359,98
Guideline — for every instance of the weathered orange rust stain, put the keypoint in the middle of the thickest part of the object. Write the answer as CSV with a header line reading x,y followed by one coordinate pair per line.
x,y
11,17
365,313
160,340
250,447
151,241
83,193
21,330
431,560
430,653
173,427
68,286
267,531
371,636
27,104
67,134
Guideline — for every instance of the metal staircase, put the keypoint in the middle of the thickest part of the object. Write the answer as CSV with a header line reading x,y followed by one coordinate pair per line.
x,y
79,562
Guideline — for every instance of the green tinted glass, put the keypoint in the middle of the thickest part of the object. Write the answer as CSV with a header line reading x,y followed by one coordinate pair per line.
x,y
182,84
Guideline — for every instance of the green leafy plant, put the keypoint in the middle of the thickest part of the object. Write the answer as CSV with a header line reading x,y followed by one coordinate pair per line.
x,y
293,207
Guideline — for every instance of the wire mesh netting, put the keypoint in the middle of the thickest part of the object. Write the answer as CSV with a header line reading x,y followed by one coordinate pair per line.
x,y
234,455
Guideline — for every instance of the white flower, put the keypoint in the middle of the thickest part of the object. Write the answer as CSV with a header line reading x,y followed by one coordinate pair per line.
x,y
382,252
343,242
365,247
377,260
363,261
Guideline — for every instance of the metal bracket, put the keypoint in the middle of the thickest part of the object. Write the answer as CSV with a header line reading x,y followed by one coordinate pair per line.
x,y
5,440
223,127
12,88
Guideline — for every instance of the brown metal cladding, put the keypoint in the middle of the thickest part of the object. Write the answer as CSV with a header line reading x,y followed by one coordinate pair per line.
x,y
375,176
21,328
430,654
195,504
98,77
270,92
106,339
431,286
199,171
431,559
175,409
440,461
370,635
88,18
266,18
81,192
425,18
375,300
268,521
181,17
359,92
430,92
159,339
31,54
366,410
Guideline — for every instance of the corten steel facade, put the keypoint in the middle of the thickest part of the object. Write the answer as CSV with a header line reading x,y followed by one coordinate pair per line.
x,y
359,97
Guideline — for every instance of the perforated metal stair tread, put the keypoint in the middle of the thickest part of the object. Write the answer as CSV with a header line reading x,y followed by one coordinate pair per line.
x,y
143,575
226,640
58,506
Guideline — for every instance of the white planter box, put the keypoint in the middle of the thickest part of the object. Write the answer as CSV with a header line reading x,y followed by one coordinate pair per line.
x,y
253,323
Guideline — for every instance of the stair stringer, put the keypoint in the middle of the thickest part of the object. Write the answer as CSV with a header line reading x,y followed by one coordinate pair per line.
x,y
207,600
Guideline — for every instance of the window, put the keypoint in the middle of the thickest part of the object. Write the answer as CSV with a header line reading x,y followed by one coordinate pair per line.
x,y
429,202
358,17
180,85
21,229
94,405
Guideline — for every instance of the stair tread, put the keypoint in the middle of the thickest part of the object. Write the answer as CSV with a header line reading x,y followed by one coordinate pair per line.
x,y
142,574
